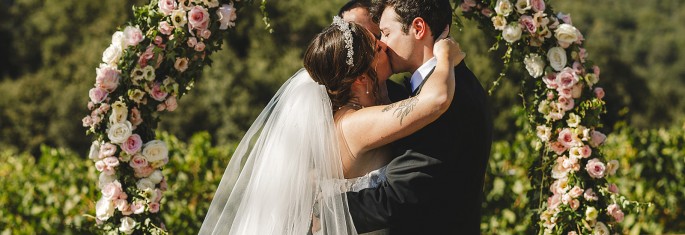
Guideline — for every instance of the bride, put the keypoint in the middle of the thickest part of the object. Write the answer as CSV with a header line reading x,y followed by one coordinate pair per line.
x,y
322,134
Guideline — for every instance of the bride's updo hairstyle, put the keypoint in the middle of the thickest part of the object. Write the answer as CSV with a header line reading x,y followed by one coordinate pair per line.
x,y
327,61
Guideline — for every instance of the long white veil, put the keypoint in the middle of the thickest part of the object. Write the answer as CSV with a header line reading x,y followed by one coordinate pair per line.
x,y
286,168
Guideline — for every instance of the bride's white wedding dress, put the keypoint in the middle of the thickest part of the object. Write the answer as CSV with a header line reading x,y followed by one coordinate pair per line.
x,y
370,180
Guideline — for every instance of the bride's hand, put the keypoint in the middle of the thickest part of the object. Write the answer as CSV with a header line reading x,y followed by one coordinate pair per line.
x,y
448,49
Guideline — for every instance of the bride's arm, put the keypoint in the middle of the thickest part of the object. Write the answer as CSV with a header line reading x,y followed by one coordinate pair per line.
x,y
372,127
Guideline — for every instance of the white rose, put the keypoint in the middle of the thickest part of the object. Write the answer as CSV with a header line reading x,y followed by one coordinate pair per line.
x,y
105,179
104,209
557,58
119,112
144,184
566,34
112,55
156,177
119,132
512,32
118,39
544,133
155,150
94,151
226,15
600,229
534,64
503,7
127,225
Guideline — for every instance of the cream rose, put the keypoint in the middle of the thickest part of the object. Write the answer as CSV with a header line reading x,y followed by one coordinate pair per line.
x,y
94,153
499,22
156,177
566,34
112,54
144,184
534,64
127,225
512,32
600,229
503,7
119,132
118,39
557,58
104,209
119,112
155,150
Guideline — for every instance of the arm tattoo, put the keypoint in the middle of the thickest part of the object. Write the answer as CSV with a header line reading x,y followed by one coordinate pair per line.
x,y
404,107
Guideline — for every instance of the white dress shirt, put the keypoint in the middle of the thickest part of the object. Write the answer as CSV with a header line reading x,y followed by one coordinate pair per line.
x,y
420,74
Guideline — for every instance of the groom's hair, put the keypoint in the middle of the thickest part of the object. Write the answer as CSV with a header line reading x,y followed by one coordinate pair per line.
x,y
436,13
366,4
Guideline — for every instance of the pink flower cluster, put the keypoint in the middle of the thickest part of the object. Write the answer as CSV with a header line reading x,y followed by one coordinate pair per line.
x,y
557,57
144,71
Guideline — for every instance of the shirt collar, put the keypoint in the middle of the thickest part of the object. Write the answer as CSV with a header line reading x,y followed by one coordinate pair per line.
x,y
420,74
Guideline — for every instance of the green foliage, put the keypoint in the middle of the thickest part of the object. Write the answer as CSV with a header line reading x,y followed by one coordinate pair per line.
x,y
54,195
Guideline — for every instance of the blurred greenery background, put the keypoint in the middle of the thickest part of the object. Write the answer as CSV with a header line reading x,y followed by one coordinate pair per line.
x,y
49,50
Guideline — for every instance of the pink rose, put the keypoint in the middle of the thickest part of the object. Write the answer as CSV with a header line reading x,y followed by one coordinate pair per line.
x,y
198,18
143,171
200,46
613,188
111,191
566,138
550,80
121,204
132,36
138,207
107,150
574,204
146,56
226,15
157,93
87,121
528,23
161,107
590,195
585,151
558,147
565,92
486,12
550,95
595,70
615,211
566,78
100,166
132,144
554,201
559,170
566,103
465,7
135,117
205,33
165,28
582,54
138,161
158,195
597,138
167,6
170,103
192,41
153,207
107,77
595,168
599,92
578,67
538,5
163,185
97,95
111,161
158,40
575,192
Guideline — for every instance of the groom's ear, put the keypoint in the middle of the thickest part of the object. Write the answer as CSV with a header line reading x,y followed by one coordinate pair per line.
x,y
420,28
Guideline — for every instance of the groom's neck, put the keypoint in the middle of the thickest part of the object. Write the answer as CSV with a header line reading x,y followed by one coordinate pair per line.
x,y
425,55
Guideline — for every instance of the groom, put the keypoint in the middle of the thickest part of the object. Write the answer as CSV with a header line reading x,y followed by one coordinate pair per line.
x,y
435,184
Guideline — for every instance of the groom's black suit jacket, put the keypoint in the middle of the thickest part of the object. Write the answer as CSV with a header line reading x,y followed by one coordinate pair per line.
x,y
435,184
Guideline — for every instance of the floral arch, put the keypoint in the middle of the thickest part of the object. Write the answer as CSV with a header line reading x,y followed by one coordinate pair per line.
x,y
154,60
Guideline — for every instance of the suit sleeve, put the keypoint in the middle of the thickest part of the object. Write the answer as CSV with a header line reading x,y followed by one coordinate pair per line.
x,y
398,199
